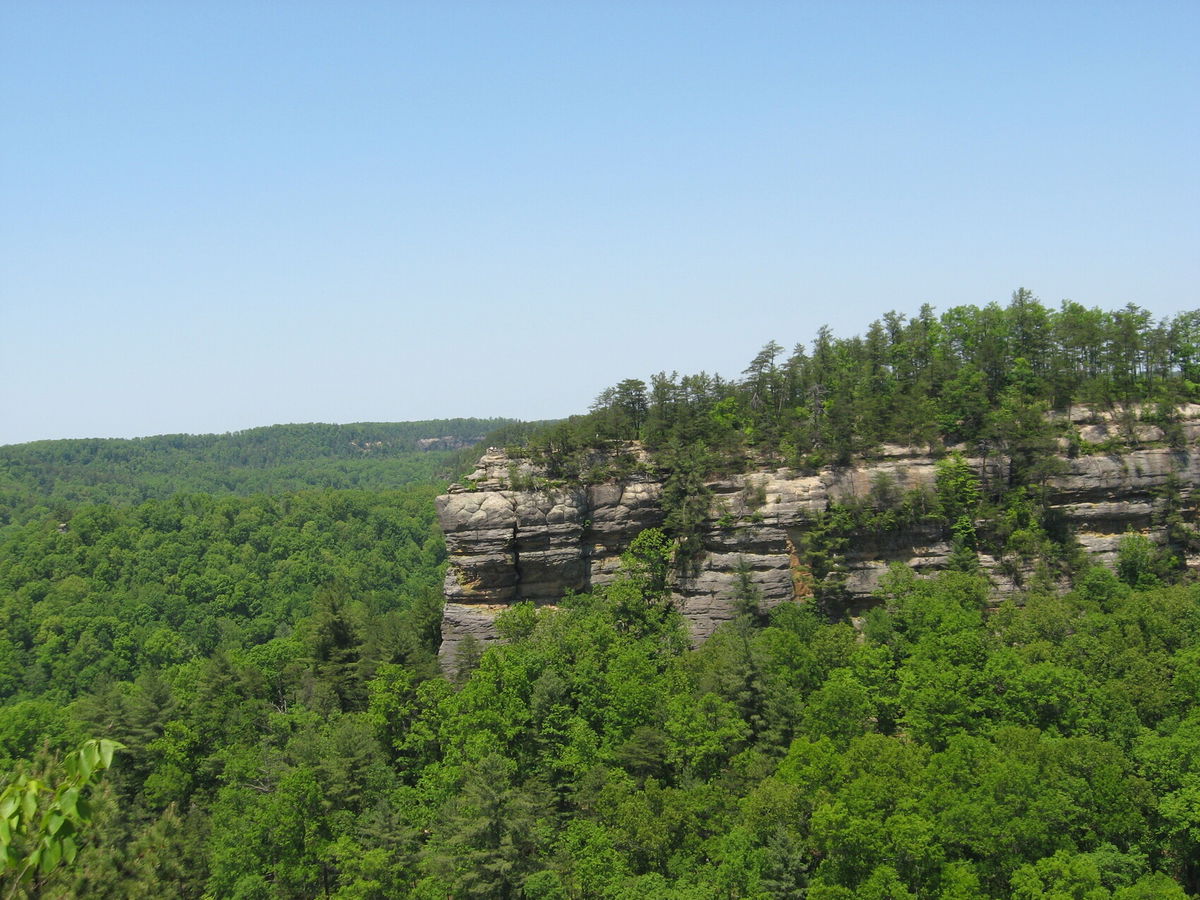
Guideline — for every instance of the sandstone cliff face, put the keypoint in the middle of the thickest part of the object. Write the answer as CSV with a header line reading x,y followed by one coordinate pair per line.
x,y
511,545
534,543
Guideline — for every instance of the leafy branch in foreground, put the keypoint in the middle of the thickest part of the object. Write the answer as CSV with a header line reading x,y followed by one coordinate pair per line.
x,y
40,823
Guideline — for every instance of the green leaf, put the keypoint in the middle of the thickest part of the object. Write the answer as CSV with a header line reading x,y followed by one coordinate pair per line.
x,y
68,800
54,821
5,831
85,764
29,803
106,751
8,804
69,849
51,856
83,810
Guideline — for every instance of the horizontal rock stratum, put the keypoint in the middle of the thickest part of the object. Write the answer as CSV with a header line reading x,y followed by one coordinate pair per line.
x,y
510,541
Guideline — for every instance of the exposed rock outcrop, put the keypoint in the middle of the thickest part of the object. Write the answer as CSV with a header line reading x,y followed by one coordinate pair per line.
x,y
513,536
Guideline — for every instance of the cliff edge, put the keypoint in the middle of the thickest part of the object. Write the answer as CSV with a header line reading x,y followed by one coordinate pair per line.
x,y
514,536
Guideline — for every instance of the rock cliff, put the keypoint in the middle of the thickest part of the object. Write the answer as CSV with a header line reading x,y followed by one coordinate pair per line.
x,y
512,536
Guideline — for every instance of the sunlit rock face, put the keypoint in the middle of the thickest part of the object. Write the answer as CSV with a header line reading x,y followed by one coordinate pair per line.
x,y
512,537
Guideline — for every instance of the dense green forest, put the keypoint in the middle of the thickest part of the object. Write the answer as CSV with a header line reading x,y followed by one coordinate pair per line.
x,y
45,475
979,376
263,666
1047,749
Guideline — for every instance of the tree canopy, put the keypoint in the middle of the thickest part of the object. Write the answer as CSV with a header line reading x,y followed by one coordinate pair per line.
x,y
263,653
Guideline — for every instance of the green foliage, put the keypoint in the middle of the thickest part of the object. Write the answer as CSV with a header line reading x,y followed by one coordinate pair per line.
x,y
43,817
993,761
490,836
114,592
945,752
686,498
640,594
267,661
981,376
1141,563
52,476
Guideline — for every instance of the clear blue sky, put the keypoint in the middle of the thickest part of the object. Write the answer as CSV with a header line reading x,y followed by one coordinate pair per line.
x,y
221,215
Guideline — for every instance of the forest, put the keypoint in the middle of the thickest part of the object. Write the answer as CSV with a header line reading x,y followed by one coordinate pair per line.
x,y
977,376
218,672
44,476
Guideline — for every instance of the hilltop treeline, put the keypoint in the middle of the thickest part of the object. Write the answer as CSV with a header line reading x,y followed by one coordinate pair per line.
x,y
975,375
273,459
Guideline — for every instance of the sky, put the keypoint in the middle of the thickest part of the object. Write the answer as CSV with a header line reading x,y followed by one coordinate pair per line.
x,y
220,215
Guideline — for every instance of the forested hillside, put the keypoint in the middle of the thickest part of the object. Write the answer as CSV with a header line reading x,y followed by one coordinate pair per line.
x,y
274,459
266,663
